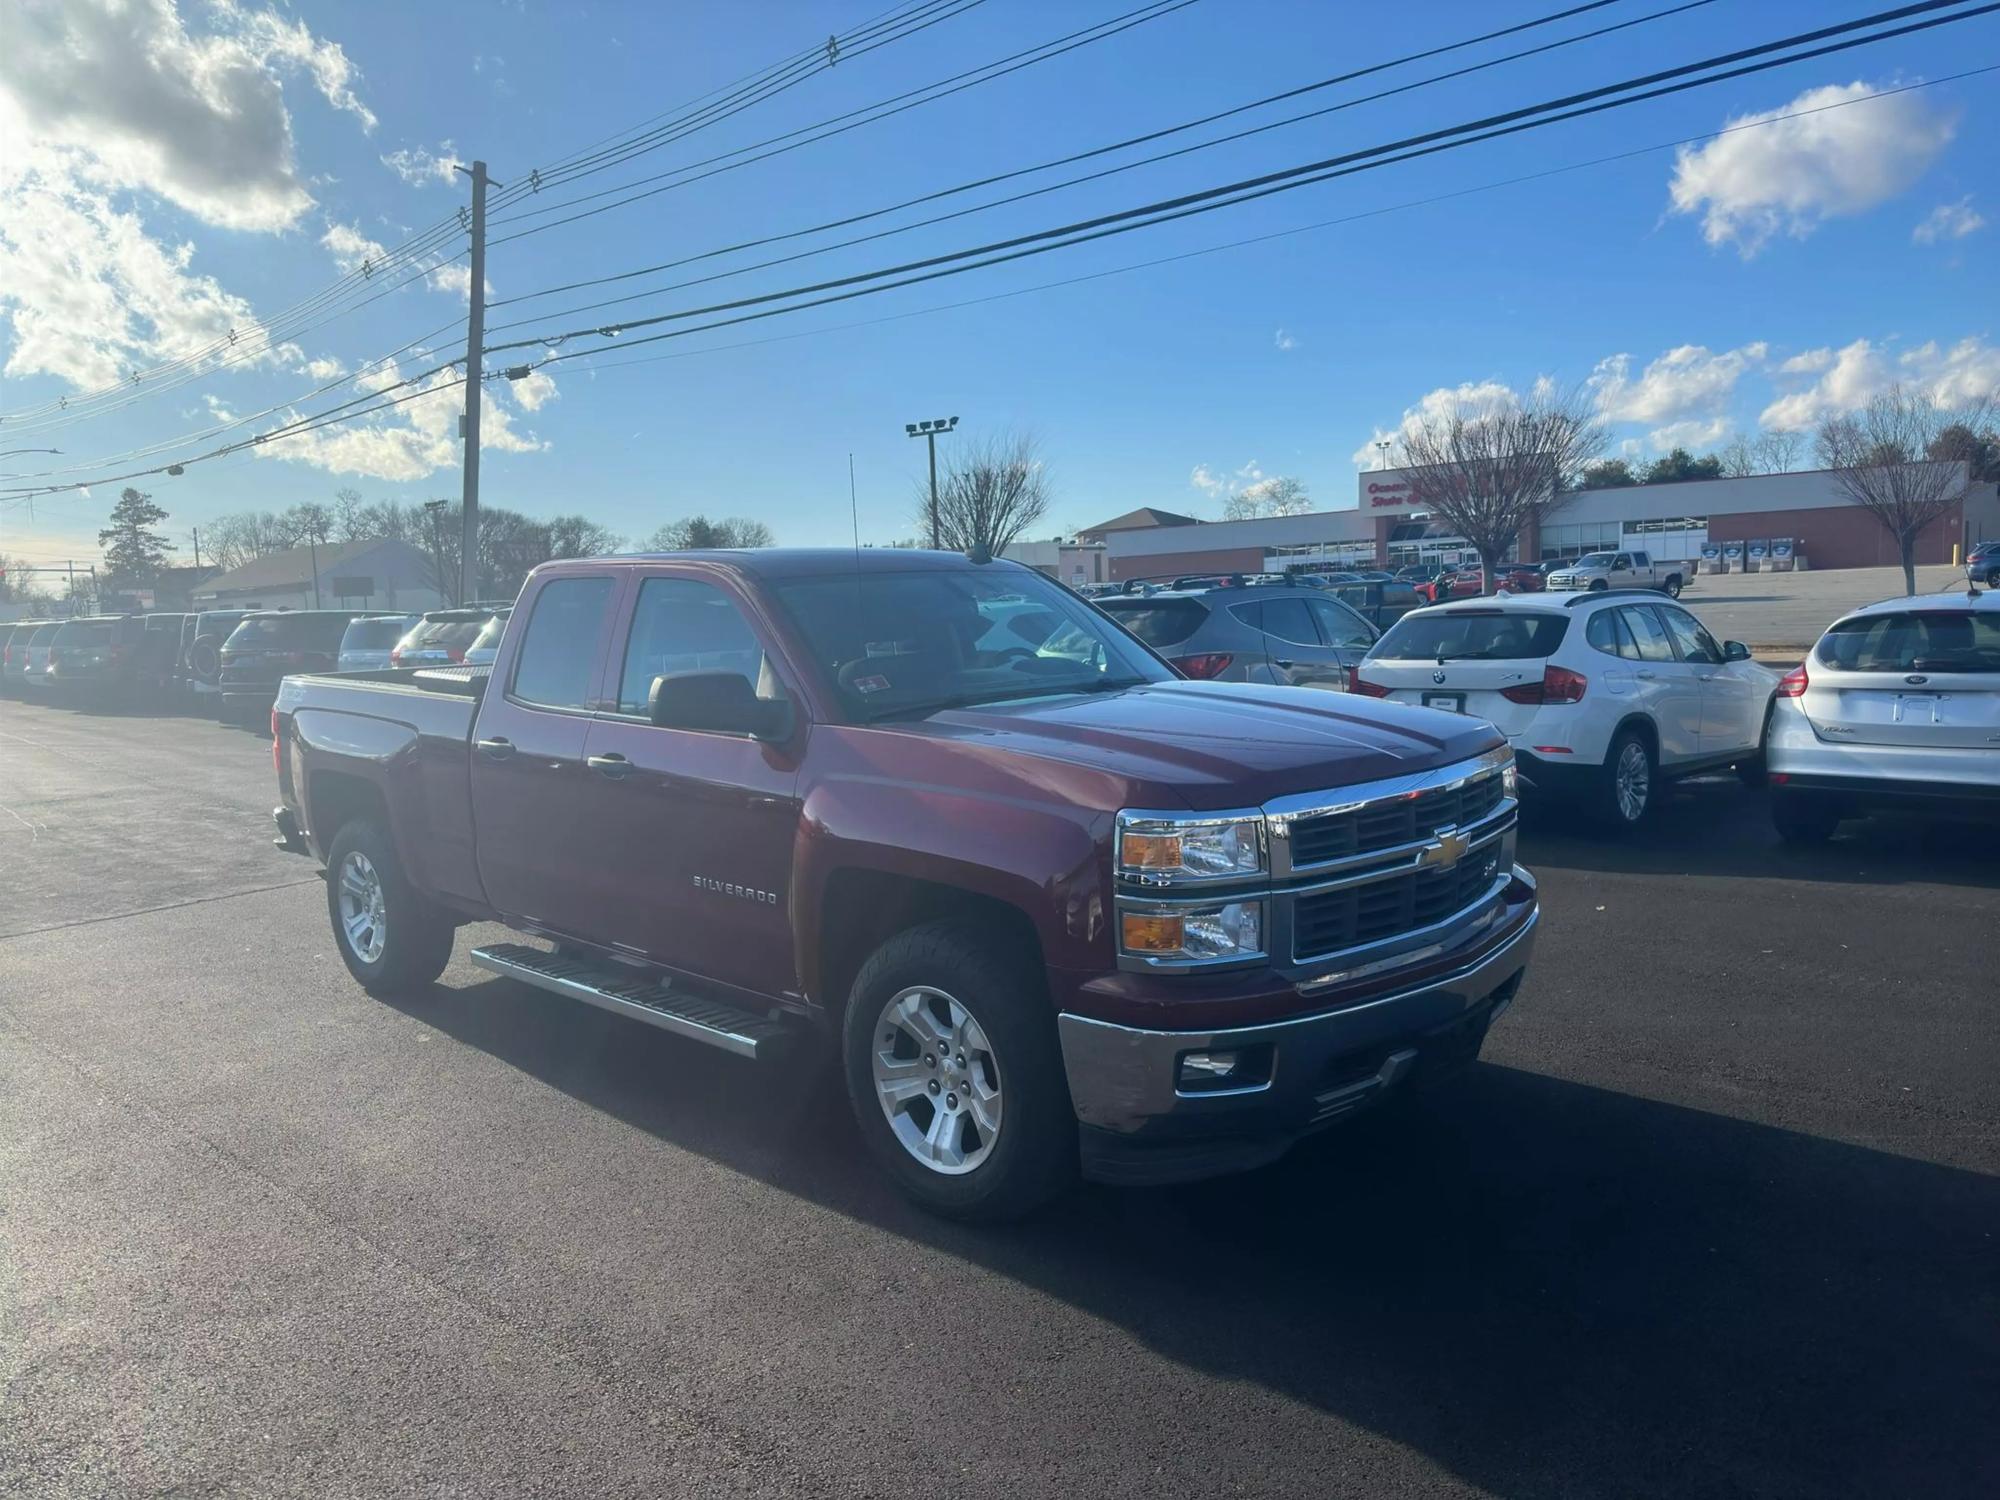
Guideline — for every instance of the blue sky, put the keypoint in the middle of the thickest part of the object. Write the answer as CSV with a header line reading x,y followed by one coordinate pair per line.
x,y
1780,273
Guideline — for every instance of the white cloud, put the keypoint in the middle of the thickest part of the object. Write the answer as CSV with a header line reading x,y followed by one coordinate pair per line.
x,y
417,438
92,296
1284,340
1949,221
1789,176
1471,399
1218,485
1852,376
324,369
1694,434
130,99
534,390
419,167
105,101
350,248
1683,382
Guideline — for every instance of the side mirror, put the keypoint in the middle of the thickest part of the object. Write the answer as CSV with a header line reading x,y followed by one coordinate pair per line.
x,y
717,703
1735,651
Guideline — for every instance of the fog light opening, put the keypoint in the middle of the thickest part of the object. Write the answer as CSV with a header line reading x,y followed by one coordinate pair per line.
x,y
1223,1071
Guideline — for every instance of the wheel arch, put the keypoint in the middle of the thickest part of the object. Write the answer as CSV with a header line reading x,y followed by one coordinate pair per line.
x,y
862,908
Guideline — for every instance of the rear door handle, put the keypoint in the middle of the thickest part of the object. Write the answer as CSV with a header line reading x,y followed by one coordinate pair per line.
x,y
497,748
614,766
1281,662
1648,676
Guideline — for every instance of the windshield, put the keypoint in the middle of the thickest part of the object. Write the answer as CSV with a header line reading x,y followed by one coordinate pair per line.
x,y
1594,560
900,644
1472,635
441,635
1941,640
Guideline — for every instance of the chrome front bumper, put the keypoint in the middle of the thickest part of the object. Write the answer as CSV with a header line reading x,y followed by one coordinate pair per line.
x,y
1140,1125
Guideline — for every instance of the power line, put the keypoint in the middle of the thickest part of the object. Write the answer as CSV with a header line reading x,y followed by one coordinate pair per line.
x,y
1063,161
1264,185
873,113
260,337
343,413
1430,200
1144,161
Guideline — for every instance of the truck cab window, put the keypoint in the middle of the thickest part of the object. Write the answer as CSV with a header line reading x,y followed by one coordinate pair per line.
x,y
560,648
685,625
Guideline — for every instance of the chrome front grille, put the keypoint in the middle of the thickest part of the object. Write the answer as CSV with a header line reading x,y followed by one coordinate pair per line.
x,y
1329,922
1374,826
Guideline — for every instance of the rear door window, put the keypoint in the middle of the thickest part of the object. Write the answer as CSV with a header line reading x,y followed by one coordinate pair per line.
x,y
559,653
1649,636
1606,633
1157,622
1473,635
1928,641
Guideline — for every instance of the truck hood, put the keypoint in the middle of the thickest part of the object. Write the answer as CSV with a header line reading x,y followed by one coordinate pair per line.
x,y
1214,744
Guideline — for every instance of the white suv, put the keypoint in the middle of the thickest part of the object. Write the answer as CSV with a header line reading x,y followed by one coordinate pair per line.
x,y
1898,705
1601,694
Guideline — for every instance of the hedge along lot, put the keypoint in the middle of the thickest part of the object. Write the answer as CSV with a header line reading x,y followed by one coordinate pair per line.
x,y
1715,1216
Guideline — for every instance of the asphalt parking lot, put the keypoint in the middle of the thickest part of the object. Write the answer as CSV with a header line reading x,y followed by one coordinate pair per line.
x,y
1717,1215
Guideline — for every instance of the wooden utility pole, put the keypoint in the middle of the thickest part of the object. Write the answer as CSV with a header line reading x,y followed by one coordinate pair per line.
x,y
475,337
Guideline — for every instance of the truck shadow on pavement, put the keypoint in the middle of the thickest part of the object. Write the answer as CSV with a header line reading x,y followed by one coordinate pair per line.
x,y
1546,1288
1713,825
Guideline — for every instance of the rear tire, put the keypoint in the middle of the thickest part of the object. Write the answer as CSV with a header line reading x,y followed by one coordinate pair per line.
x,y
1631,778
1801,818
1673,588
982,1129
392,939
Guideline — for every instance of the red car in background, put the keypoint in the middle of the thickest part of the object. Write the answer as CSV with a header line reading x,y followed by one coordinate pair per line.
x,y
1453,583
1522,578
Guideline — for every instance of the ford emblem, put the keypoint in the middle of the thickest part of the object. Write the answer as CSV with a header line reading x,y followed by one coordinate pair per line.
x,y
1916,679
1438,675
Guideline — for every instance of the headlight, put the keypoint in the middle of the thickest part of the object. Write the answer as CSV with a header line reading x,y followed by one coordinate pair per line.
x,y
1510,781
1161,849
1182,934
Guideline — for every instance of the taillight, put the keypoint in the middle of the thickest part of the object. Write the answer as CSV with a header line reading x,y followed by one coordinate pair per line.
x,y
457,653
1205,664
276,768
395,656
1558,685
1356,683
1794,683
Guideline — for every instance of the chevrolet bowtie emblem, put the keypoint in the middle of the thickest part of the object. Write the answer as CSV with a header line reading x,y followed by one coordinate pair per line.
x,y
1444,851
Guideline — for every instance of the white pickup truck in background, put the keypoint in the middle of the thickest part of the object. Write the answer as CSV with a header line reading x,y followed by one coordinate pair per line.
x,y
1621,570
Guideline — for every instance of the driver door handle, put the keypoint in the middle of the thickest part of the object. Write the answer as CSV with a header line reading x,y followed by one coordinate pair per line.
x,y
497,748
614,766
1279,661
1648,676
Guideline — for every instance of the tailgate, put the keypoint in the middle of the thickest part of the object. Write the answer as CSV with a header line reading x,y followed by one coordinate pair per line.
x,y
1466,687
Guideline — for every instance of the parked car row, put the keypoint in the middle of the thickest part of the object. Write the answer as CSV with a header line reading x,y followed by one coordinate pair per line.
x,y
223,663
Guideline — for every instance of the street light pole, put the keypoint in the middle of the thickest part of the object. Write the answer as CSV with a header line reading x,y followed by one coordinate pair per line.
x,y
929,431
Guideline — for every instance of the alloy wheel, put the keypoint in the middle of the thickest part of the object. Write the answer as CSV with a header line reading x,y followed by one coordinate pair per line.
x,y
937,1080
1634,784
361,907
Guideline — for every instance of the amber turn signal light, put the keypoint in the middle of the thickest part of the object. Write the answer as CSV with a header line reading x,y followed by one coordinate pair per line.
x,y
1149,934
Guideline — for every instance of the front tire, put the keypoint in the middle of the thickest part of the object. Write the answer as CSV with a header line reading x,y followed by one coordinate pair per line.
x,y
1598,585
1673,588
955,1075
392,939
1631,777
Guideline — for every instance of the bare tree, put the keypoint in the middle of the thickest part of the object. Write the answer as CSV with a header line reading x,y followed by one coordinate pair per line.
x,y
1490,471
1777,452
1879,456
350,516
991,492
1281,495
694,533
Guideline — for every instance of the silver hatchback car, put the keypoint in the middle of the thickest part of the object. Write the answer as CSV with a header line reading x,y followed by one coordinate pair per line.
x,y
1897,706
1249,631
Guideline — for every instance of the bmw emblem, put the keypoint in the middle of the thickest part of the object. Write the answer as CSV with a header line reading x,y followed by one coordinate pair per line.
x,y
1438,675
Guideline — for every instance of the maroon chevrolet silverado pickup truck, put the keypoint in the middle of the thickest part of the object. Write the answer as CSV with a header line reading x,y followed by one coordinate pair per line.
x,y
1060,909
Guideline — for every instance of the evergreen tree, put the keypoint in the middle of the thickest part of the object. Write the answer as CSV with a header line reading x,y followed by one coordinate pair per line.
x,y
132,548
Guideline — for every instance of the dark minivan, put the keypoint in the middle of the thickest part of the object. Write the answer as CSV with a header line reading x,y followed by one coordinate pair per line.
x,y
97,657
266,647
